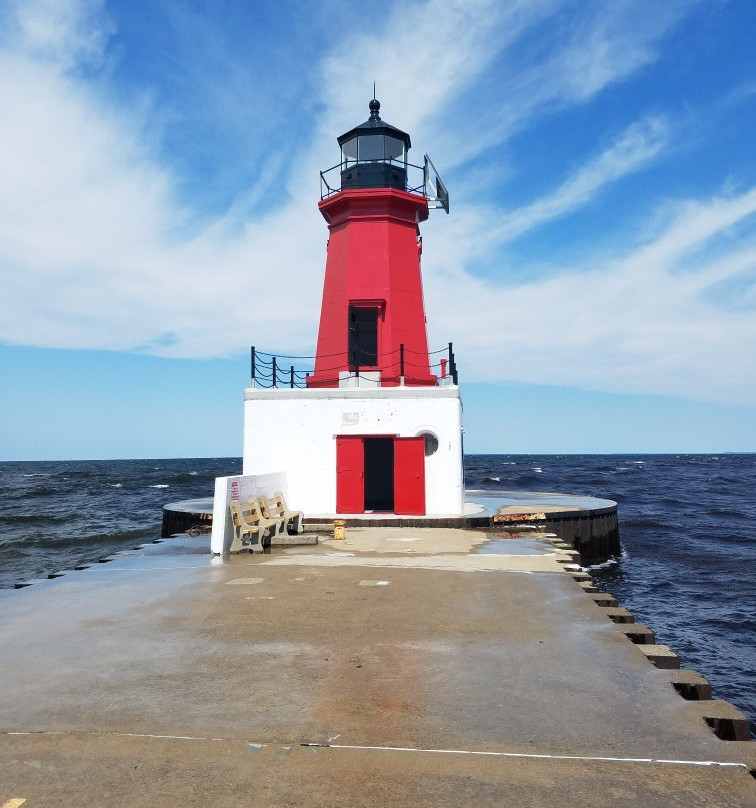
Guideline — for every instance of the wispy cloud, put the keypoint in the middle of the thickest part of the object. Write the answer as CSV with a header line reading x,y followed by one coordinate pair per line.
x,y
633,149
646,322
566,55
61,35
100,248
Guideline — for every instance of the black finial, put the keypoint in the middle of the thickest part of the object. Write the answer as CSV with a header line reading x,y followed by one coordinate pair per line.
x,y
374,108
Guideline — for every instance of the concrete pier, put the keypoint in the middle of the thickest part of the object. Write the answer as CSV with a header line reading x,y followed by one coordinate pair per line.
x,y
434,667
587,524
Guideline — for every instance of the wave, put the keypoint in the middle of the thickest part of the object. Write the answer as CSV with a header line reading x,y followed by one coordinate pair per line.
x,y
95,541
43,491
35,519
526,479
727,512
610,562
644,521
159,485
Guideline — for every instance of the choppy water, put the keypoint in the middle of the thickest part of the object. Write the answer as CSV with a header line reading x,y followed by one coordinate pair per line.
x,y
55,514
687,525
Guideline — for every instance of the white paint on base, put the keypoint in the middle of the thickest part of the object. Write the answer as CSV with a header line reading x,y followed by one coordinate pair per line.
x,y
296,430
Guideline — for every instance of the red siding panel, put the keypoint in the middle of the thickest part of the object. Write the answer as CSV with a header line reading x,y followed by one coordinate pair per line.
x,y
409,476
350,474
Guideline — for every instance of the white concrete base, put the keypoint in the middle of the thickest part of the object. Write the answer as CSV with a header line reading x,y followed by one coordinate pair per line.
x,y
295,431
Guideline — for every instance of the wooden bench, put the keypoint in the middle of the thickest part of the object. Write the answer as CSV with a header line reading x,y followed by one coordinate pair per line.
x,y
275,508
252,530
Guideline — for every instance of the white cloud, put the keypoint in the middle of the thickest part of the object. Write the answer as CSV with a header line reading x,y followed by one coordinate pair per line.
x,y
97,249
647,322
572,53
63,35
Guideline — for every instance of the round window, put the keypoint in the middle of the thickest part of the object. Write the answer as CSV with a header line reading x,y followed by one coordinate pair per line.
x,y
431,443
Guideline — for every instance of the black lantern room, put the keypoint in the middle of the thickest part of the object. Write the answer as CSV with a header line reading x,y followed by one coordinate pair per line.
x,y
374,154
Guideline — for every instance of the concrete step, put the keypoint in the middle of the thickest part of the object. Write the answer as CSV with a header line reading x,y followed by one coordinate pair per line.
x,y
604,599
638,633
725,720
659,655
690,685
618,614
299,540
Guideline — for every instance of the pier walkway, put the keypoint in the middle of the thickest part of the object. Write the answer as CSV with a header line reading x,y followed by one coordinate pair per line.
x,y
433,667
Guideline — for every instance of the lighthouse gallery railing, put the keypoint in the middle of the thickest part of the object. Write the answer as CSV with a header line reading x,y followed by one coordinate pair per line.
x,y
286,370
330,179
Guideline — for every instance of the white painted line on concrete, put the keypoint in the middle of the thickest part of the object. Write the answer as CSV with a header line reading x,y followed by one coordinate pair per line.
x,y
40,732
161,737
256,745
528,755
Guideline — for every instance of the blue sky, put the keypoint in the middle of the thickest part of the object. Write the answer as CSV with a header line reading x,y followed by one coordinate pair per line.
x,y
158,203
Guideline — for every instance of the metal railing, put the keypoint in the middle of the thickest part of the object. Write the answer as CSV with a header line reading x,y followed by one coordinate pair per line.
x,y
330,179
269,371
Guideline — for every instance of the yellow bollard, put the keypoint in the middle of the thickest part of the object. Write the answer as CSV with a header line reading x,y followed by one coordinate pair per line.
x,y
339,528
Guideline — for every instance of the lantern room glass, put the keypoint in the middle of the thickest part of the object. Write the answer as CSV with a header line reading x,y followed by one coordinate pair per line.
x,y
394,149
349,152
372,148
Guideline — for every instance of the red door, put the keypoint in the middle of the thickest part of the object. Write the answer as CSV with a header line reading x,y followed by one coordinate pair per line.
x,y
350,474
409,476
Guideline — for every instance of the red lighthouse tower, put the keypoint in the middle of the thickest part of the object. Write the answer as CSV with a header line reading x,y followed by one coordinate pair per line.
x,y
372,321
376,427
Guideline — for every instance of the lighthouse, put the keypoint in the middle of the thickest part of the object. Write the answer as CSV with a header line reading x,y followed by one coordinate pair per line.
x,y
375,426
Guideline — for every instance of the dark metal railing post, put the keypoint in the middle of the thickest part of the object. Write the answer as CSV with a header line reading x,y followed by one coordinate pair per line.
x,y
401,364
292,377
275,373
452,365
252,362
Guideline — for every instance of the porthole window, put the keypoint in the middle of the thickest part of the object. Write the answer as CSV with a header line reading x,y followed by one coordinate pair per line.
x,y
431,443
